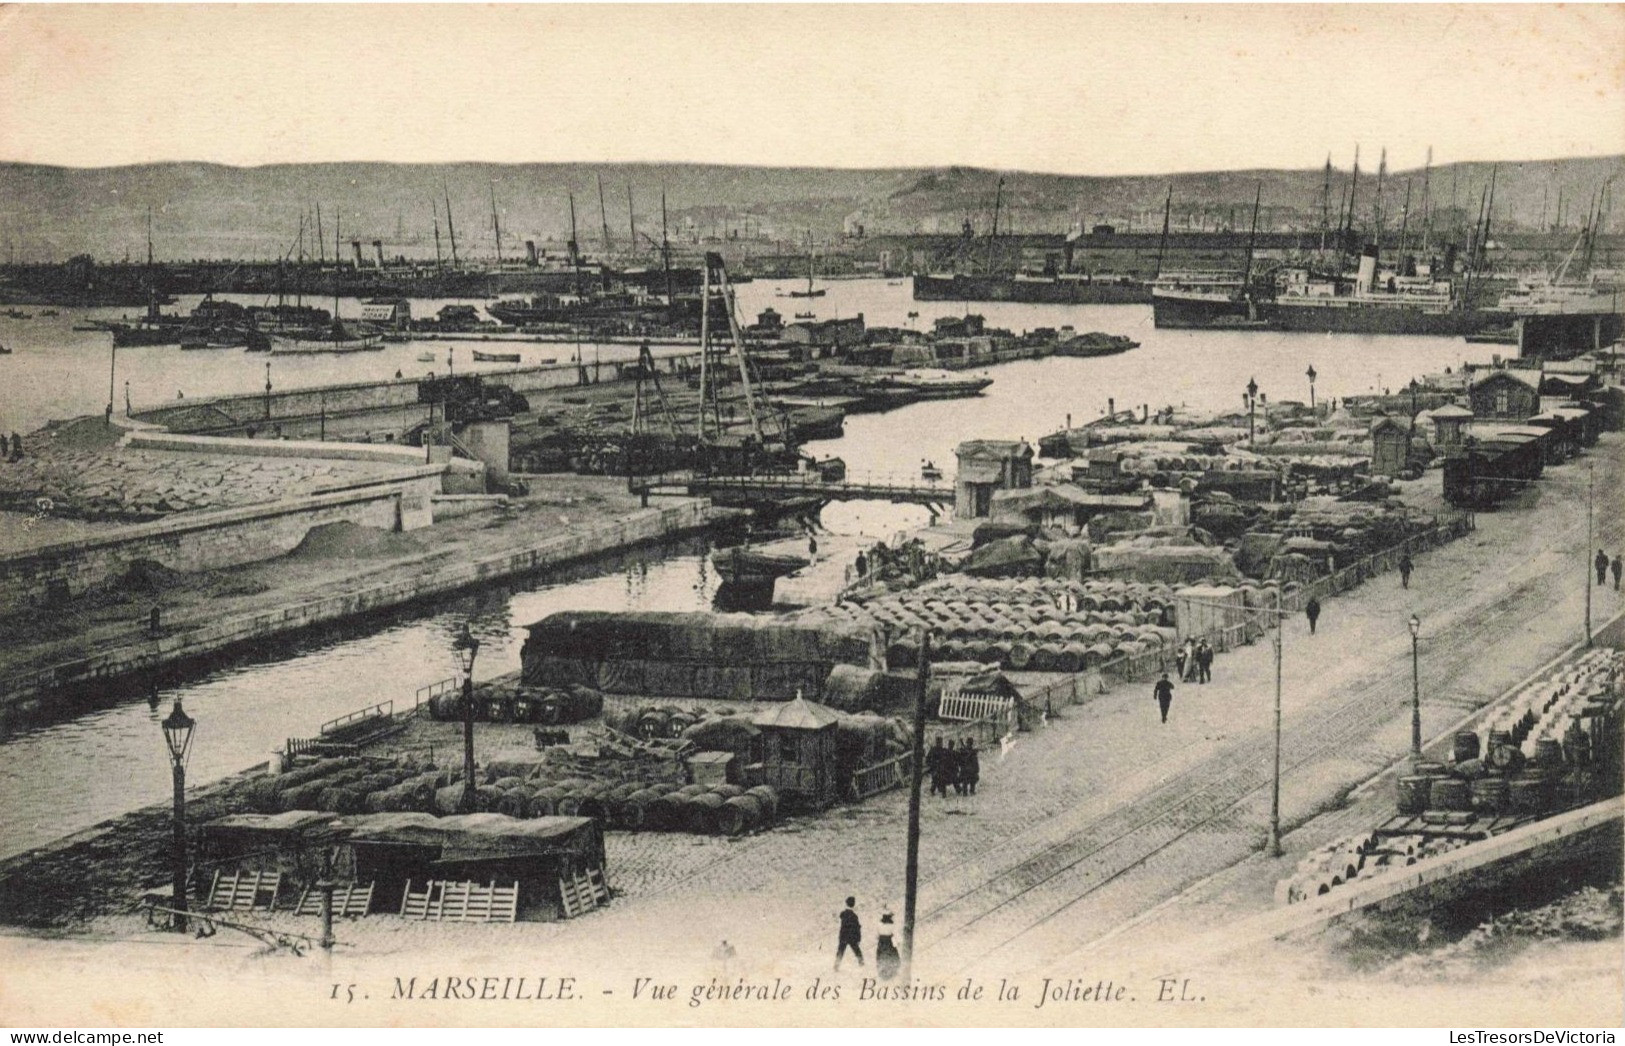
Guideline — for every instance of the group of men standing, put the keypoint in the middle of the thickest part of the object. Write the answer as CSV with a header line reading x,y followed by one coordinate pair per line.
x,y
948,766
1195,661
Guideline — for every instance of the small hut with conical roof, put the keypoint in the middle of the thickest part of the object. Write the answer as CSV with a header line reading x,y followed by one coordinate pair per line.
x,y
799,752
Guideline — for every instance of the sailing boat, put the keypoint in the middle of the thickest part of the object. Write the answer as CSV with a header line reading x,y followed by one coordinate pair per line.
x,y
811,291
335,338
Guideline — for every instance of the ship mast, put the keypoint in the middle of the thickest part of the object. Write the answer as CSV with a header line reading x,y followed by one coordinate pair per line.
x,y
1404,221
1325,204
435,205
321,240
1258,194
1354,189
1167,212
993,236
1377,215
665,249
575,253
496,226
603,215
1427,204
451,229
631,220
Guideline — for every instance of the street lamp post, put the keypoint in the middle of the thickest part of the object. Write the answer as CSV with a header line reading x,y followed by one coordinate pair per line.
x,y
1311,373
1416,693
468,648
1585,556
911,858
178,727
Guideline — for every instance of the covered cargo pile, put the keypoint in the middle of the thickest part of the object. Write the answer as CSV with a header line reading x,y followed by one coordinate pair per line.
x,y
510,701
1027,624
715,656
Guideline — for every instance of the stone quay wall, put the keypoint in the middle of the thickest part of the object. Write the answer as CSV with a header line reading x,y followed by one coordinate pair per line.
x,y
192,542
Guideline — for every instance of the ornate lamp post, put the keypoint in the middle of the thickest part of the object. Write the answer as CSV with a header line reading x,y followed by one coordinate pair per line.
x,y
1252,400
178,727
1311,374
1416,693
468,648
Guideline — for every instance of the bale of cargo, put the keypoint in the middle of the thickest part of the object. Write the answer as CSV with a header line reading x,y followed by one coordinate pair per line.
x,y
767,799
1413,794
735,734
664,814
1549,753
340,799
1506,759
699,813
1470,769
737,815
261,794
498,770
514,803
632,812
853,689
727,791
1528,795
1465,746
1448,793
1490,795
539,804
904,653
486,799
594,804
569,805
507,783
689,791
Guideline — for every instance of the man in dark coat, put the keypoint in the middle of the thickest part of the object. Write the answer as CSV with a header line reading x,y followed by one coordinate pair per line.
x,y
851,933
1405,568
934,759
1164,692
1602,566
1311,610
1616,567
1204,662
970,766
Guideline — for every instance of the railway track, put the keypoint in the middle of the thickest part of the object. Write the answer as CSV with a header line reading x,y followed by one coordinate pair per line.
x,y
987,919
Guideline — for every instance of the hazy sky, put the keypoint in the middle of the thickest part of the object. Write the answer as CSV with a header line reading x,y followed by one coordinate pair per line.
x,y
1088,89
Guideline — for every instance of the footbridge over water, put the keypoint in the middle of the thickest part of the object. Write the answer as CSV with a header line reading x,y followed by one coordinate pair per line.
x,y
931,493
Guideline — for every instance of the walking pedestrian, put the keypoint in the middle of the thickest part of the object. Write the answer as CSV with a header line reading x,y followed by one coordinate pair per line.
x,y
1405,568
934,768
1602,565
812,545
862,564
1616,566
970,766
887,958
851,935
1204,662
1164,692
1181,658
1311,610
1187,665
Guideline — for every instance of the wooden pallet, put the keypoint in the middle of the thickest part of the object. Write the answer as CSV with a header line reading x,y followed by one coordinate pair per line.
x,y
462,902
351,898
583,892
243,891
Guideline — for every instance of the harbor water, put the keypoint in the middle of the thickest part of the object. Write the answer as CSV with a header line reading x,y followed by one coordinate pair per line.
x,y
67,775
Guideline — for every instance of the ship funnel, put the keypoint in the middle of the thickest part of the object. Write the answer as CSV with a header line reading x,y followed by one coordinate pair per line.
x,y
355,245
1368,269
530,253
378,249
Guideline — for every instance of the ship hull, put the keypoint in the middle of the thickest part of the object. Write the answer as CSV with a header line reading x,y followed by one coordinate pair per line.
x,y
1035,292
1380,319
1203,313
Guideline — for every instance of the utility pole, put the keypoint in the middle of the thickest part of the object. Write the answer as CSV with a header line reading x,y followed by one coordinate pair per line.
x,y
911,864
1585,559
1275,777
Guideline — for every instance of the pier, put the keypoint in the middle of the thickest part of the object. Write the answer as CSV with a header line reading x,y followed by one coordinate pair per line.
x,y
878,488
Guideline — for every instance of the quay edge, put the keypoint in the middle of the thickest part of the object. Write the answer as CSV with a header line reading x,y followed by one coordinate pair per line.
x,y
28,690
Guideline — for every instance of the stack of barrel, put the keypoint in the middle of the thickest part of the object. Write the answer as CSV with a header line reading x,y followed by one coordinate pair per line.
x,y
721,809
1555,744
349,785
506,703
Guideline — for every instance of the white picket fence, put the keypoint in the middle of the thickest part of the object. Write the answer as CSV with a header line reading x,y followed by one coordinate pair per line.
x,y
965,707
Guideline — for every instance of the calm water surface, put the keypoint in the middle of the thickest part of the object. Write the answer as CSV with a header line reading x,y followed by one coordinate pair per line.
x,y
69,775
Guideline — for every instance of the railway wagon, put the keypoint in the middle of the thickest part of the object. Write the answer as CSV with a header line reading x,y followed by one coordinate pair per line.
x,y
1492,471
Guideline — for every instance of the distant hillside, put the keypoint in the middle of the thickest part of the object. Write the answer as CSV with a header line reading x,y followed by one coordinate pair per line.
x,y
212,211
